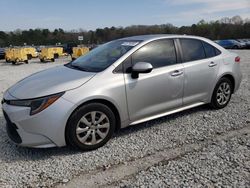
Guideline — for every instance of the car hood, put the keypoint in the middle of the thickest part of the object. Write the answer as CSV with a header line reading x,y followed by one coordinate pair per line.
x,y
49,82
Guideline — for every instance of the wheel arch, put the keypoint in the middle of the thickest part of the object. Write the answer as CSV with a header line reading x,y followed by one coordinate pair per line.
x,y
230,77
225,75
101,101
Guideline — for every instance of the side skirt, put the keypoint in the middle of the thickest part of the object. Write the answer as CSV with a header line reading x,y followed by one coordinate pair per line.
x,y
167,113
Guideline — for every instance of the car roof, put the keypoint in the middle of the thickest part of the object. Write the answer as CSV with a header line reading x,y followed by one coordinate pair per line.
x,y
160,36
150,37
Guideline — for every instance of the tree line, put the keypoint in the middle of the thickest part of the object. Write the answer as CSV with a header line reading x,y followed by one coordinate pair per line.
x,y
225,28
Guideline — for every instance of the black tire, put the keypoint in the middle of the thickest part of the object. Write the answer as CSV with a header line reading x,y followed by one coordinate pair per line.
x,y
214,101
235,47
26,61
7,60
70,132
42,60
13,62
53,60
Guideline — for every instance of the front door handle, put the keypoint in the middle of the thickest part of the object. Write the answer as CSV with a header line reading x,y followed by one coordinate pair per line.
x,y
177,73
212,64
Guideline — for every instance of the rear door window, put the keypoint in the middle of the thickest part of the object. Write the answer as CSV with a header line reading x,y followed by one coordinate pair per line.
x,y
192,50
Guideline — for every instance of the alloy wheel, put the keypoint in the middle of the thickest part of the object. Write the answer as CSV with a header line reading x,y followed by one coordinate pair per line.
x,y
92,128
223,93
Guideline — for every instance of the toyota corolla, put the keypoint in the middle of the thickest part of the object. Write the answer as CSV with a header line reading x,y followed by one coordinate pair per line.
x,y
121,83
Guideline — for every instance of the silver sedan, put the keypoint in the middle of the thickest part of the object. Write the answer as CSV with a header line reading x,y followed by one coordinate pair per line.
x,y
121,83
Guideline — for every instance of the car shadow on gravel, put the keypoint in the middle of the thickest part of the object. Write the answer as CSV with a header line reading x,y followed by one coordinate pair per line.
x,y
11,152
154,122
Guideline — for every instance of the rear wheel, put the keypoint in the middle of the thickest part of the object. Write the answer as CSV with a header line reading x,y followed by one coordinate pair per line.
x,y
90,127
53,60
222,93
26,61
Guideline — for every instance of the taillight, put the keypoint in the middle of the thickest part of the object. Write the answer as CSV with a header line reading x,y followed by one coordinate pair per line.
x,y
237,59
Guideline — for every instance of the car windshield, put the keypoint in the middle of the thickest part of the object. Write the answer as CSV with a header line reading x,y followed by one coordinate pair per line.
x,y
105,55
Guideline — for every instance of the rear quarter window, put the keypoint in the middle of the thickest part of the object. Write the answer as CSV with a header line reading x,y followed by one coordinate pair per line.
x,y
217,52
210,50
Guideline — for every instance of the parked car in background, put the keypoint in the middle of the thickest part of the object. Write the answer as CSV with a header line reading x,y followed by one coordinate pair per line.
x,y
121,83
242,42
246,43
2,53
230,44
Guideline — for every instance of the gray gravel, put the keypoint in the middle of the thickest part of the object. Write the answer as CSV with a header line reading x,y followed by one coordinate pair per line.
x,y
224,164
22,167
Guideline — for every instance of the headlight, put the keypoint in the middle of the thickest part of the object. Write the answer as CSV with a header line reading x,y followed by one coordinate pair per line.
x,y
36,105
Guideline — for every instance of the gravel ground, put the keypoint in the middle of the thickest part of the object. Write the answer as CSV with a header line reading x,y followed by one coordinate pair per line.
x,y
22,167
223,164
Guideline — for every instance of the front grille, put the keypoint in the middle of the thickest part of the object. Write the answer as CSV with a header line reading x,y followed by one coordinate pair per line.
x,y
12,130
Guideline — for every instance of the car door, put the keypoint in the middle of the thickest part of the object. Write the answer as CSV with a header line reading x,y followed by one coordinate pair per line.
x,y
160,90
201,68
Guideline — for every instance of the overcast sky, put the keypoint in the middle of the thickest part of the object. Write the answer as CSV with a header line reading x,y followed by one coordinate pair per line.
x,y
92,14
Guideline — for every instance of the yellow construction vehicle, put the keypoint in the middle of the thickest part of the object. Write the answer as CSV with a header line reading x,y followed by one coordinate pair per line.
x,y
9,53
79,51
20,55
50,53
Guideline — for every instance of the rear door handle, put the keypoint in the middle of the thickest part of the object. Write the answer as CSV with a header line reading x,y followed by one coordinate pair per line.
x,y
212,64
177,73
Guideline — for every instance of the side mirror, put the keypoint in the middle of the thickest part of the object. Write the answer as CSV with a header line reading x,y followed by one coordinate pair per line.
x,y
141,67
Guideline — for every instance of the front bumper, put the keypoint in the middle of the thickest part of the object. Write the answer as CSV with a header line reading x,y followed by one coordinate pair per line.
x,y
42,130
12,130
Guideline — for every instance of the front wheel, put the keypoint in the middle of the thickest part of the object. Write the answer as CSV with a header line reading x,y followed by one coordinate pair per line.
x,y
90,127
222,93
